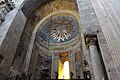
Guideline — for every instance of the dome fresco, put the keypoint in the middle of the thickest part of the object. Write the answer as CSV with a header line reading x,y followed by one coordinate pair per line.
x,y
59,29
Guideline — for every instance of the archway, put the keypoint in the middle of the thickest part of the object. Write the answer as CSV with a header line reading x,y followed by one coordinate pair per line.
x,y
67,42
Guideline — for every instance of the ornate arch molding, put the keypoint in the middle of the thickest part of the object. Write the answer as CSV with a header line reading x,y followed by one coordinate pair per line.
x,y
39,25
77,39
70,13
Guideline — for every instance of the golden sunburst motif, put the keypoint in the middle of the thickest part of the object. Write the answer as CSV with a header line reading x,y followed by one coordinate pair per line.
x,y
61,28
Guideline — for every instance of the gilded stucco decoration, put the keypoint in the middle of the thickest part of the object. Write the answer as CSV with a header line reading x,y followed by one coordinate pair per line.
x,y
61,28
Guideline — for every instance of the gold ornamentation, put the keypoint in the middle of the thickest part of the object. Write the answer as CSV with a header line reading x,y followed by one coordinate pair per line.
x,y
61,29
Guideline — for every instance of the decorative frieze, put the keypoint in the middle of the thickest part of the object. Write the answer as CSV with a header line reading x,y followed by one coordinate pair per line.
x,y
56,5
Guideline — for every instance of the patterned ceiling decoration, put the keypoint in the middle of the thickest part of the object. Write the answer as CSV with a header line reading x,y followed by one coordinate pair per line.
x,y
59,29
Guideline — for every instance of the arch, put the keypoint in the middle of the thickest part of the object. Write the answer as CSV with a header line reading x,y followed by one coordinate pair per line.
x,y
38,25
72,13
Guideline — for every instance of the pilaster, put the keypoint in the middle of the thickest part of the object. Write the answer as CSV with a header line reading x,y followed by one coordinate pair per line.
x,y
55,62
71,59
96,61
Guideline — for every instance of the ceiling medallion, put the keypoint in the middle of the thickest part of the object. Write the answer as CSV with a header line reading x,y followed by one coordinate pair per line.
x,y
61,28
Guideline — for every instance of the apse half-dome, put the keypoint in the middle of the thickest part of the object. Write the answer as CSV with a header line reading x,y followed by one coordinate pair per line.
x,y
59,29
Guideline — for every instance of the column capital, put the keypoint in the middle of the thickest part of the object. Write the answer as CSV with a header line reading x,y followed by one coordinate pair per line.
x,y
56,55
90,39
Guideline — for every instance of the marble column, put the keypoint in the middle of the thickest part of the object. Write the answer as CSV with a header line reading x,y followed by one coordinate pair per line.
x,y
71,59
96,60
55,63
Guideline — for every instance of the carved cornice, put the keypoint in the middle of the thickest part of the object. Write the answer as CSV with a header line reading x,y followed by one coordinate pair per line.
x,y
60,47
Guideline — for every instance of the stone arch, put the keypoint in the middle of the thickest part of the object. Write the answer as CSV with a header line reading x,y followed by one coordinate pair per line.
x,y
38,24
73,14
41,22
